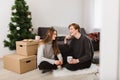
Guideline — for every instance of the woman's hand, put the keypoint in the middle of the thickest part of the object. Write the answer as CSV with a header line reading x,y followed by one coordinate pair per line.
x,y
58,62
74,61
61,62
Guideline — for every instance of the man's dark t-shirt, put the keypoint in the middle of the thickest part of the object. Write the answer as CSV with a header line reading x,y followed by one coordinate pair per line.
x,y
81,49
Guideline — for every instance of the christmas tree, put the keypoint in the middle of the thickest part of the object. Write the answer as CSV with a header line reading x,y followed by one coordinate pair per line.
x,y
20,26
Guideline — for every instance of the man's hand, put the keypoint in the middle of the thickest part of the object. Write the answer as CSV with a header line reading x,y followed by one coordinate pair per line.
x,y
74,61
67,37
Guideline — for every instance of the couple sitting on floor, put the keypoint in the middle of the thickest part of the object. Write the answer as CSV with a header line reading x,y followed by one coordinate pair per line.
x,y
80,51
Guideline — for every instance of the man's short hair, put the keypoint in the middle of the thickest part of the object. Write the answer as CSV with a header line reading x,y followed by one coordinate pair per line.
x,y
76,26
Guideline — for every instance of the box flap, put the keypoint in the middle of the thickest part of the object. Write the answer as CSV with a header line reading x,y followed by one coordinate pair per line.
x,y
20,57
26,43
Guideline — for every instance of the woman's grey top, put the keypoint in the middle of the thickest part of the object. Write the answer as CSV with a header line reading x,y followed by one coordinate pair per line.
x,y
46,53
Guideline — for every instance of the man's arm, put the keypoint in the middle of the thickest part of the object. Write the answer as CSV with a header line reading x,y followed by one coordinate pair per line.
x,y
87,53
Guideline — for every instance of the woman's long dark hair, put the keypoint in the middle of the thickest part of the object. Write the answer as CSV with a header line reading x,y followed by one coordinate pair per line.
x,y
48,38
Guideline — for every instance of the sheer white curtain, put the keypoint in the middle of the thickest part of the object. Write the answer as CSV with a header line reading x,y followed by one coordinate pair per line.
x,y
92,15
97,14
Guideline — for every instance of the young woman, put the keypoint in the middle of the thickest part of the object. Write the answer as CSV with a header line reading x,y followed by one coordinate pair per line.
x,y
49,56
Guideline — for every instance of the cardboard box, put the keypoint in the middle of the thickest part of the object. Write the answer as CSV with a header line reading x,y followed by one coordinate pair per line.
x,y
18,63
26,48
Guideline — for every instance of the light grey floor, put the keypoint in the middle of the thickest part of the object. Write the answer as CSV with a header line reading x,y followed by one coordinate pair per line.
x,y
37,75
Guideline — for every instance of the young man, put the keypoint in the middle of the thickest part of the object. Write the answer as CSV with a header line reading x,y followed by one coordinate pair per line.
x,y
80,49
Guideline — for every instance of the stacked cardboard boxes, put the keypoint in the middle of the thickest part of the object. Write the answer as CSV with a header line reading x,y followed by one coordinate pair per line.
x,y
24,59
26,48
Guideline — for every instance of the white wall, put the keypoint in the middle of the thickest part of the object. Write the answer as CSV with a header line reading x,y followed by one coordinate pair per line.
x,y
109,40
88,15
119,46
58,13
5,12
119,54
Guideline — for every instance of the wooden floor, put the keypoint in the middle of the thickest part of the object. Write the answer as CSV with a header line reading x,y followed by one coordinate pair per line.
x,y
37,75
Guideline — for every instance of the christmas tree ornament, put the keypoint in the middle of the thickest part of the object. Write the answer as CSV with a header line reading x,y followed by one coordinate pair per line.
x,y
29,16
14,23
31,29
17,28
14,10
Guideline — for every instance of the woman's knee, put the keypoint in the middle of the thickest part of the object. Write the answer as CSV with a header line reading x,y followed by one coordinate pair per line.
x,y
46,65
42,65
